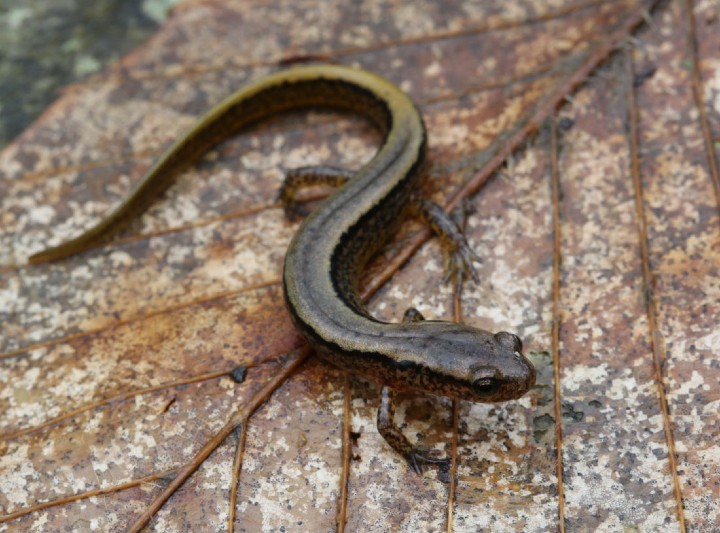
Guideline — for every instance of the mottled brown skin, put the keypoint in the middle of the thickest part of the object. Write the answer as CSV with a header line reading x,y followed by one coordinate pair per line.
x,y
329,251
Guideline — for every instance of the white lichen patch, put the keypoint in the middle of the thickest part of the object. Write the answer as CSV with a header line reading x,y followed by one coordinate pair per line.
x,y
694,385
120,259
596,487
41,214
16,473
576,377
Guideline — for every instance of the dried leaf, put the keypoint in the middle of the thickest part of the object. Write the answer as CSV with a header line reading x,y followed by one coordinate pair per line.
x,y
598,232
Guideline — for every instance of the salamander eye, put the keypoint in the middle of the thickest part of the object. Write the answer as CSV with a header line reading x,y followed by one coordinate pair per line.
x,y
486,386
485,381
509,341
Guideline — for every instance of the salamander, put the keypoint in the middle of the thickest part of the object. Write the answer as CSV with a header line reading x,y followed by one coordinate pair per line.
x,y
327,254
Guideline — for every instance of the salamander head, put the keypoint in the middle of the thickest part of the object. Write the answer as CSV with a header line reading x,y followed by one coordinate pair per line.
x,y
468,363
508,375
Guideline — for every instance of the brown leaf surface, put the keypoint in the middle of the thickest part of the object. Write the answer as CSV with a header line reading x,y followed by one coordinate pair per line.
x,y
600,238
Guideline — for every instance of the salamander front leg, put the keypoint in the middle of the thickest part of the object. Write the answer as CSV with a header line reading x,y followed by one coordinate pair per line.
x,y
394,437
386,424
302,177
460,257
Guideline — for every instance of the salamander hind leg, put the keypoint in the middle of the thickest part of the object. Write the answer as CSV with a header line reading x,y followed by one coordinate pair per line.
x,y
460,257
415,457
303,177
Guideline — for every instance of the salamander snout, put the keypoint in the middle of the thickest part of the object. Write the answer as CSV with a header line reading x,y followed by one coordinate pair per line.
x,y
518,373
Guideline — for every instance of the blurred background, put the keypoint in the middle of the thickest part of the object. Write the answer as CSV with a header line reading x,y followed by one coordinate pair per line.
x,y
47,44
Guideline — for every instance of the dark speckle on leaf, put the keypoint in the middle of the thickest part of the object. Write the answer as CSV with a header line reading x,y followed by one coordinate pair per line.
x,y
238,374
565,123
568,411
644,74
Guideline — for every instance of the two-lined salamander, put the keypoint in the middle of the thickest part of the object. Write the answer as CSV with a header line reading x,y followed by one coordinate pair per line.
x,y
327,254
